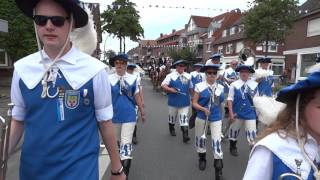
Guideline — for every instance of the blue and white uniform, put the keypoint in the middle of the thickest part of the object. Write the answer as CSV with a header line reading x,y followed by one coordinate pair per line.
x,y
124,89
206,93
280,157
179,102
266,84
197,77
61,138
231,75
241,94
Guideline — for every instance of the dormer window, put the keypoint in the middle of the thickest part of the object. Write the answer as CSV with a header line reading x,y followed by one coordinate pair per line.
x,y
232,30
224,33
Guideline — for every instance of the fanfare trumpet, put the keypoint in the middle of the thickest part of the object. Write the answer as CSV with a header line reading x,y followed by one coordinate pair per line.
x,y
286,175
4,141
204,134
295,175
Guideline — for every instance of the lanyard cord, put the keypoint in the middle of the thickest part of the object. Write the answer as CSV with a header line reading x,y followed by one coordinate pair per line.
x,y
44,80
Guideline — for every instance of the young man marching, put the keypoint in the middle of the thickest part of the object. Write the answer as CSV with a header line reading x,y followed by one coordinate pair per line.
x,y
125,97
179,87
62,97
241,110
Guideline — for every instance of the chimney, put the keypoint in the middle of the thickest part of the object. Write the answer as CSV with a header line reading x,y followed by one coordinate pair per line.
x,y
173,31
161,35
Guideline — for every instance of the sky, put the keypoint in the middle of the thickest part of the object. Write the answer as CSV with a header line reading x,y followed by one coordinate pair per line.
x,y
156,20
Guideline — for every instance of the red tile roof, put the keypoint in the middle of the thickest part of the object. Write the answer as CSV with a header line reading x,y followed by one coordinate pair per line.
x,y
201,21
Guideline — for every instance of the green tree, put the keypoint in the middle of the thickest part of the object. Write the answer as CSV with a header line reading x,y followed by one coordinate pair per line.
x,y
270,20
187,53
122,20
20,41
108,54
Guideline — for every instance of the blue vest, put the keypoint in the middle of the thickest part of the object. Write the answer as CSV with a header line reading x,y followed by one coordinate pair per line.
x,y
265,86
124,104
196,78
204,100
176,99
243,104
54,148
279,168
232,75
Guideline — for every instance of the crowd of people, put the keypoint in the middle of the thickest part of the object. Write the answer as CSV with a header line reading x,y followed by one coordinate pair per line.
x,y
64,98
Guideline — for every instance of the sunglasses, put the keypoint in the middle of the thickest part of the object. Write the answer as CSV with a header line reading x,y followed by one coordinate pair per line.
x,y
57,21
212,73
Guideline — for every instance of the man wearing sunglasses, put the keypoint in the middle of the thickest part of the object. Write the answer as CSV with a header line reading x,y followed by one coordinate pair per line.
x,y
178,85
62,97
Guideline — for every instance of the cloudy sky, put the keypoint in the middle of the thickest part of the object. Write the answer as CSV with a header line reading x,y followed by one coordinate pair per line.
x,y
167,16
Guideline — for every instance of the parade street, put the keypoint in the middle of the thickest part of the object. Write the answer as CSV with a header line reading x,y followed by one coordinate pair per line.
x,y
159,156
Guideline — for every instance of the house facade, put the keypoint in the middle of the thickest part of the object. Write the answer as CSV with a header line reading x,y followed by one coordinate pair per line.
x,y
196,30
230,39
306,29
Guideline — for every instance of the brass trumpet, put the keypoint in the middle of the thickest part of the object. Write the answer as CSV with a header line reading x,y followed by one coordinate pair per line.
x,y
4,141
204,135
296,175
282,176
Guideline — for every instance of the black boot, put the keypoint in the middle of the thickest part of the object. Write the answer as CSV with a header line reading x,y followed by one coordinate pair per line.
x,y
233,148
126,166
134,138
172,130
202,161
185,136
218,165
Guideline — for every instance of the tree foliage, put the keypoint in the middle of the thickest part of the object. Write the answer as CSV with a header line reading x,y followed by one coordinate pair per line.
x,y
122,20
187,53
20,41
270,20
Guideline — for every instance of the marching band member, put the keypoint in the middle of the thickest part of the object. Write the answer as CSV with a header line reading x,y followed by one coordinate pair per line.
x,y
290,144
178,86
240,105
125,97
130,70
230,75
207,98
264,77
60,93
196,75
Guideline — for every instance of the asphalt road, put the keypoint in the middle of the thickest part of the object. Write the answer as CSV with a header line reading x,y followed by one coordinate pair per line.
x,y
159,156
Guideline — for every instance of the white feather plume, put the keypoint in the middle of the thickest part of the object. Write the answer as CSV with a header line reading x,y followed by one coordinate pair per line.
x,y
139,70
261,73
267,108
85,38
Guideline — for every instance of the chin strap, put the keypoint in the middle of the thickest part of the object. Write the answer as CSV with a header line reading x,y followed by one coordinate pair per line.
x,y
47,68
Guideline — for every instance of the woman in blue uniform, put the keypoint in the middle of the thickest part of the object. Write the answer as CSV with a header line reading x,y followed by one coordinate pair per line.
x,y
125,97
291,143
207,98
61,96
241,110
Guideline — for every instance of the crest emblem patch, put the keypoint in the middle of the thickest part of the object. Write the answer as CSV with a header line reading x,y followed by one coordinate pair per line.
x,y
72,98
